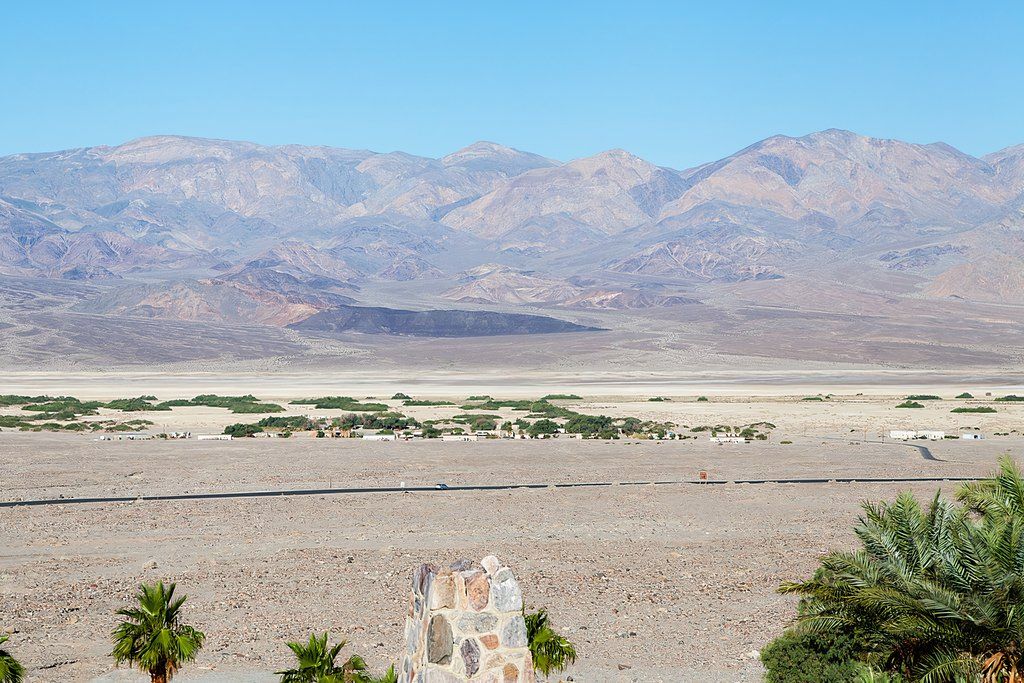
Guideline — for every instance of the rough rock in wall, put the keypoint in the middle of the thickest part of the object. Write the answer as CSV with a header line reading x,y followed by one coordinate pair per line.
x,y
465,624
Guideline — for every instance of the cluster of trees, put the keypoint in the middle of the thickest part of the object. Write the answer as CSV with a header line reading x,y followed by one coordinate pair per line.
x,y
934,594
153,637
478,421
539,408
241,430
69,407
383,420
236,404
341,403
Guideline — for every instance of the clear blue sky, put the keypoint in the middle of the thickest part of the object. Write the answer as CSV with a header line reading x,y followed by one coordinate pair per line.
x,y
675,82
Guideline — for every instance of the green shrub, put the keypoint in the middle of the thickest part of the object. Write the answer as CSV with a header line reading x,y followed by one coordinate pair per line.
x,y
236,404
812,398
256,408
297,423
342,403
242,430
478,422
924,397
588,425
803,658
129,405
539,408
658,399
426,402
978,409
19,400
965,395
702,399
65,404
401,397
561,397
910,404
541,427
388,420
1011,398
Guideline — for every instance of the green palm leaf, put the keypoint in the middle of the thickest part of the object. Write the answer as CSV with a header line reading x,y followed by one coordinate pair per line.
x,y
11,671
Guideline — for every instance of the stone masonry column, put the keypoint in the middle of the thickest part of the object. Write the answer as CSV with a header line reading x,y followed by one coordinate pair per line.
x,y
465,625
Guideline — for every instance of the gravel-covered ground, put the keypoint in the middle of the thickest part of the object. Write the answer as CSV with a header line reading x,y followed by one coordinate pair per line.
x,y
654,583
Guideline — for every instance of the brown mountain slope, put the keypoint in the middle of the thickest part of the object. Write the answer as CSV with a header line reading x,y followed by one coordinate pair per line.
x,y
607,192
845,177
823,206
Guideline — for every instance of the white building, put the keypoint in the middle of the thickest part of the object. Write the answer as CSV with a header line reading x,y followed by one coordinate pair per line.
x,y
459,437
379,437
726,439
972,437
907,434
214,437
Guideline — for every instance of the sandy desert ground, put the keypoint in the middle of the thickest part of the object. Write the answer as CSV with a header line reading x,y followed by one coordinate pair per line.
x,y
654,583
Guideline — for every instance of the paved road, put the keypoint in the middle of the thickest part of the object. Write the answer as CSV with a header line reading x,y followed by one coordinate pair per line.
x,y
468,487
923,450
925,453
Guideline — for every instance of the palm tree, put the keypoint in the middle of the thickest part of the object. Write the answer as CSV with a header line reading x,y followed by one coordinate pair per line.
x,y
934,594
317,664
11,671
152,636
551,651
998,499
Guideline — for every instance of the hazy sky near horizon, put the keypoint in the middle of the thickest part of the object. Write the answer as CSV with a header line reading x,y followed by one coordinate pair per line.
x,y
677,83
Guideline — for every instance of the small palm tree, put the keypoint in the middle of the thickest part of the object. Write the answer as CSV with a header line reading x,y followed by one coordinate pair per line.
x,y
551,651
152,636
317,664
11,671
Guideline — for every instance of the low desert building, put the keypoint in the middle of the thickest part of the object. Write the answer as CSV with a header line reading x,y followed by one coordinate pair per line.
x,y
907,434
379,437
459,437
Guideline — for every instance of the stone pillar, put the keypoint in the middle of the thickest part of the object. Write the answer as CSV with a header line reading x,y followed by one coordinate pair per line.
x,y
465,624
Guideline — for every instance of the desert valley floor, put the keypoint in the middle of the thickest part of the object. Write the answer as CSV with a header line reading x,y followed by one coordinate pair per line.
x,y
654,582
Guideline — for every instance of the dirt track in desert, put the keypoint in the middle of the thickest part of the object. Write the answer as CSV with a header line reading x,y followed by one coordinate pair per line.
x,y
657,583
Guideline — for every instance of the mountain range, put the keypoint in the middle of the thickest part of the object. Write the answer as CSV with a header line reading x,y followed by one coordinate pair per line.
x,y
182,228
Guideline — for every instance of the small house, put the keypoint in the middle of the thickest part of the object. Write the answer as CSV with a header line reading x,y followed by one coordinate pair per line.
x,y
459,437
726,439
379,437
